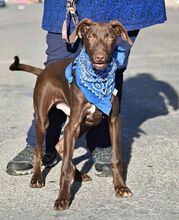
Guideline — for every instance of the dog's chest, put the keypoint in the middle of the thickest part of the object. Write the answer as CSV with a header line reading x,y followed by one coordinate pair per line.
x,y
93,115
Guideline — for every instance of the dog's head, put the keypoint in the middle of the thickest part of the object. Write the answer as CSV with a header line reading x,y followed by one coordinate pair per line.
x,y
100,40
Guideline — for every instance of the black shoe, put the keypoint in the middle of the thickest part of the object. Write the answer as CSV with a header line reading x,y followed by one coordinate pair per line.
x,y
22,164
102,161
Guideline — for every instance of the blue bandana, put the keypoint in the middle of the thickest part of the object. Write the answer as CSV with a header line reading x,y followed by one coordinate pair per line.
x,y
96,85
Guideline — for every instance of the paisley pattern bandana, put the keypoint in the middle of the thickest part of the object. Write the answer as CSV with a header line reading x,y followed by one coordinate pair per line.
x,y
96,85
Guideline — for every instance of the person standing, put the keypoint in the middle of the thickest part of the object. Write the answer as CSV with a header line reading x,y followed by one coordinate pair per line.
x,y
134,15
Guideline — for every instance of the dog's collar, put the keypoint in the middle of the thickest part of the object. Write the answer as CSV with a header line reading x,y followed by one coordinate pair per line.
x,y
97,86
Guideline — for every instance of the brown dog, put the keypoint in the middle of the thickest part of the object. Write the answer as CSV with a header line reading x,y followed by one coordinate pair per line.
x,y
52,89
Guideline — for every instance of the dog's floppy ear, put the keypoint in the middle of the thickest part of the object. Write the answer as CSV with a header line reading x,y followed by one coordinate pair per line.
x,y
120,30
83,26
80,30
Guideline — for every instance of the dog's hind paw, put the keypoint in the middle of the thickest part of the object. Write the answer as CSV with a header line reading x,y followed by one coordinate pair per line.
x,y
61,204
37,182
123,191
85,177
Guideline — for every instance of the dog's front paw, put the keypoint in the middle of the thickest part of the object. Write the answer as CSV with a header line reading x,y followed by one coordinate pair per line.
x,y
37,181
61,204
123,191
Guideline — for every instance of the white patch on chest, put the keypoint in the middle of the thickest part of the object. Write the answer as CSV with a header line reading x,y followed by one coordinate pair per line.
x,y
92,109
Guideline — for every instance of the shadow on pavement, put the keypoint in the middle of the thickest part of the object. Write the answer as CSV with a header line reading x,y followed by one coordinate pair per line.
x,y
144,97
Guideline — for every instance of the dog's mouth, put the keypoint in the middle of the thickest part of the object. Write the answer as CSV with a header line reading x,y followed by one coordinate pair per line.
x,y
100,66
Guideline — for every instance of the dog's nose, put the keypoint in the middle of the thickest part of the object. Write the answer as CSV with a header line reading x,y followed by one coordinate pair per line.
x,y
99,58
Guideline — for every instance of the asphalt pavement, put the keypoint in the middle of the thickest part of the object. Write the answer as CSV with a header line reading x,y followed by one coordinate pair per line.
x,y
150,122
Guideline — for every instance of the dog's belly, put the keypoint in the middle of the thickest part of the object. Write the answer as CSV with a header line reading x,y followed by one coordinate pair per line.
x,y
93,116
64,107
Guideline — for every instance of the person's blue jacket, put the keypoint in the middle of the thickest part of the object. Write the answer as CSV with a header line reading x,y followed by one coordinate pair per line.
x,y
133,14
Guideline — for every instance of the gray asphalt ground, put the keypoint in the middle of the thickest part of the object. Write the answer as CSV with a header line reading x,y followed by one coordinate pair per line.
x,y
150,135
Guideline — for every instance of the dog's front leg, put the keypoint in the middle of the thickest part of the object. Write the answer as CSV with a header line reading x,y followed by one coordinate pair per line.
x,y
67,169
71,131
121,189
79,176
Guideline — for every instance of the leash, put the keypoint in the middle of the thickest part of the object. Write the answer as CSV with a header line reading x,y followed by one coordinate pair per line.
x,y
70,14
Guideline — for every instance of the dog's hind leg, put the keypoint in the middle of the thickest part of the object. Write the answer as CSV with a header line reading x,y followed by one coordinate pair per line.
x,y
37,179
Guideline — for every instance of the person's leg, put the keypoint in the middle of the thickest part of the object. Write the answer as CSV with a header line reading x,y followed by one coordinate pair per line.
x,y
22,164
99,144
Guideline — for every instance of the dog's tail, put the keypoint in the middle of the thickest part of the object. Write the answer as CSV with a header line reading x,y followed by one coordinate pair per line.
x,y
24,67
